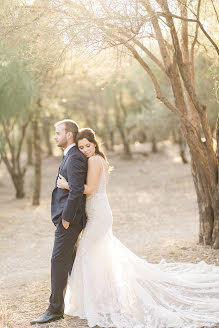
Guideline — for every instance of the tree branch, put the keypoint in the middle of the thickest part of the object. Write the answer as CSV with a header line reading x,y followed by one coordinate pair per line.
x,y
193,45
194,21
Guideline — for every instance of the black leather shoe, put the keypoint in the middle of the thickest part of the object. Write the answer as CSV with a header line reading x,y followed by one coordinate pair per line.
x,y
46,317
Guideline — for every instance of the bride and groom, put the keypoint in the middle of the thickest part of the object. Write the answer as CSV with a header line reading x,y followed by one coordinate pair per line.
x,y
108,285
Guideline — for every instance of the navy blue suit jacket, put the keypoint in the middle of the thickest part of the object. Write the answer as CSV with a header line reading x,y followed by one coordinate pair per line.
x,y
70,204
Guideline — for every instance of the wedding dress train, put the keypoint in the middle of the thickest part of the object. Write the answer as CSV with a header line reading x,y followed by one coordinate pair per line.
x,y
111,287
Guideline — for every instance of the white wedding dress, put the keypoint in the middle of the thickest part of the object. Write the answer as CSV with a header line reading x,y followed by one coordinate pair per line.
x,y
112,287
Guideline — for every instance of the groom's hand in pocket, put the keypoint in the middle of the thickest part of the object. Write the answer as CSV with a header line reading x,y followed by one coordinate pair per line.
x,y
65,224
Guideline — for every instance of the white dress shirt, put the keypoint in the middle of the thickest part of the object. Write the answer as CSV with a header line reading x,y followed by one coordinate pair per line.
x,y
67,149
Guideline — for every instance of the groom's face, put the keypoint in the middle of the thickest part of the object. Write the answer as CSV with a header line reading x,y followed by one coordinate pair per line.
x,y
61,136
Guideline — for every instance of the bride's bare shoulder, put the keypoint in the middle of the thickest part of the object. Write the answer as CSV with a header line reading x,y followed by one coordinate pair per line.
x,y
96,159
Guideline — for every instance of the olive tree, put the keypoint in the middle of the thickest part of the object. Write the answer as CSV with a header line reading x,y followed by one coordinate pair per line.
x,y
168,33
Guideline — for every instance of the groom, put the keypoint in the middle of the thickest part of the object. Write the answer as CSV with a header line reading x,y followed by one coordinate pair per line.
x,y
68,215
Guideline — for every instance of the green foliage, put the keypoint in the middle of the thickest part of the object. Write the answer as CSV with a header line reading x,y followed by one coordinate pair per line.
x,y
152,122
17,86
148,119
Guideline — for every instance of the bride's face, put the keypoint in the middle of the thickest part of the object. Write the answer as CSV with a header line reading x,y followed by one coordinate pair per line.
x,y
86,147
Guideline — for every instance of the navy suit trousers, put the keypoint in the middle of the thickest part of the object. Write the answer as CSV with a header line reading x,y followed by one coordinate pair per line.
x,y
62,260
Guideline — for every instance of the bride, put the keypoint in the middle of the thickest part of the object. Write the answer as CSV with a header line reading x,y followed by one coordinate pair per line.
x,y
111,287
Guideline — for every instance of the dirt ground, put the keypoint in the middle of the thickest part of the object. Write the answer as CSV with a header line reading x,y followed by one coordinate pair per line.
x,y
155,214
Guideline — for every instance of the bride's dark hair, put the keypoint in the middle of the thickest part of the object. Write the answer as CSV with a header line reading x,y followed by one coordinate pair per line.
x,y
89,134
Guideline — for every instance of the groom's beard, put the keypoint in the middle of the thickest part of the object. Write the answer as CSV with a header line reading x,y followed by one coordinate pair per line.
x,y
62,143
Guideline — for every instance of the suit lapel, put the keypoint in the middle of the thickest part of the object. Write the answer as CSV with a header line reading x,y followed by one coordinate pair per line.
x,y
65,158
63,163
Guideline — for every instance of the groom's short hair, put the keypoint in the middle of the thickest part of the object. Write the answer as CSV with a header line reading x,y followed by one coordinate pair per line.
x,y
70,126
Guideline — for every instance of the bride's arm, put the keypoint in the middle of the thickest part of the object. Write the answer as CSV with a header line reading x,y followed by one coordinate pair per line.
x,y
93,176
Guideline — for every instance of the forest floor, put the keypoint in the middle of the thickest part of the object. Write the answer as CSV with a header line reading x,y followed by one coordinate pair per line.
x,y
155,215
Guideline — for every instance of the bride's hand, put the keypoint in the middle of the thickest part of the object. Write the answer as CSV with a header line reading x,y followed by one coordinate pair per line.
x,y
62,183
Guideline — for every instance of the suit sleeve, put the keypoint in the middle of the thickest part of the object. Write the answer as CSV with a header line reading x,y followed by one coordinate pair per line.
x,y
76,173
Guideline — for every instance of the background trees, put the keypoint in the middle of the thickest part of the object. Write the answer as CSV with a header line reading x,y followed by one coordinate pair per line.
x,y
30,52
174,44
17,86
174,29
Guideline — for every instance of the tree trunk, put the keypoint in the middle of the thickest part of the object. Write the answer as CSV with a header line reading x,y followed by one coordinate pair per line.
x,y
18,181
174,135
108,133
46,133
16,172
182,154
215,234
37,162
126,146
104,135
182,147
112,142
154,148
206,212
120,123
29,151
17,175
